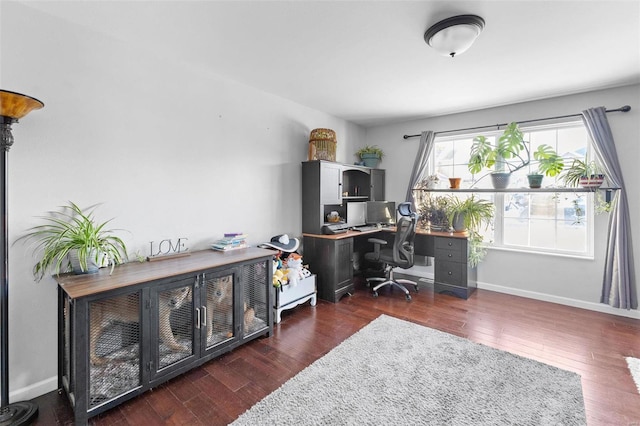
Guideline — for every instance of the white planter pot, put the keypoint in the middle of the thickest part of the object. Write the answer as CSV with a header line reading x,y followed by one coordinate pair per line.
x,y
92,265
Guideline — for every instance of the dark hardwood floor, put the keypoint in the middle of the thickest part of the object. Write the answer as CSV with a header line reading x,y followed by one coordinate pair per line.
x,y
591,344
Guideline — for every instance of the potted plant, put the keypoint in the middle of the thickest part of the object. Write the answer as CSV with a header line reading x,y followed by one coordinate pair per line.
x,y
587,174
470,215
370,155
485,155
72,239
434,213
549,164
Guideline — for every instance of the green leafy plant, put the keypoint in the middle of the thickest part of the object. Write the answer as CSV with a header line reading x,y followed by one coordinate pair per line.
x,y
369,149
510,145
73,229
549,162
580,169
433,212
474,214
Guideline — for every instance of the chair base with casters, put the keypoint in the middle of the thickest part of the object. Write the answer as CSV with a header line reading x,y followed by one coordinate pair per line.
x,y
390,280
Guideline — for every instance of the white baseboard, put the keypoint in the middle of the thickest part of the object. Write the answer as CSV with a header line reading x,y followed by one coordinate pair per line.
x,y
37,389
598,307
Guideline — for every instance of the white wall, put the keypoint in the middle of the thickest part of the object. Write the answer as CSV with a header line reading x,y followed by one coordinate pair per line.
x,y
169,150
571,281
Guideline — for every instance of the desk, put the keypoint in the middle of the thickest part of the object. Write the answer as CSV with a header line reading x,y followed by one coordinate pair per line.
x,y
331,257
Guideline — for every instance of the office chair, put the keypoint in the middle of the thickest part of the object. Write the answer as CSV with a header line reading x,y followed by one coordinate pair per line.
x,y
398,256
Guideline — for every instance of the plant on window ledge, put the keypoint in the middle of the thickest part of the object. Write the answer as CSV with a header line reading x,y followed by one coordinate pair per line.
x,y
579,171
509,147
549,164
587,174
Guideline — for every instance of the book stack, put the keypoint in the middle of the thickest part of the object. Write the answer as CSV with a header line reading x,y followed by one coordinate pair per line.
x,y
231,241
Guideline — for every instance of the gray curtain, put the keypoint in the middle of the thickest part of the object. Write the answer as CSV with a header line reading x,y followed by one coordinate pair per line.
x,y
619,282
420,164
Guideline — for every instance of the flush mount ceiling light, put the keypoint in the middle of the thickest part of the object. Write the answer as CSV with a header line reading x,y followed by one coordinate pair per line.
x,y
454,35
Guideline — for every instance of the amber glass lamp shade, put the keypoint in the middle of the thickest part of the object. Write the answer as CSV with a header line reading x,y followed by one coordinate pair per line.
x,y
16,105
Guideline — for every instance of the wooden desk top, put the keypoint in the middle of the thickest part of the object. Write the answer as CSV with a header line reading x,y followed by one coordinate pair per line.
x,y
350,234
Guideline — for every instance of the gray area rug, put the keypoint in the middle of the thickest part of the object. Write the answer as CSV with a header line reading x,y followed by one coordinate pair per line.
x,y
634,368
393,372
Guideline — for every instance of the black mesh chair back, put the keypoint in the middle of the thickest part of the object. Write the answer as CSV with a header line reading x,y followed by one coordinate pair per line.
x,y
403,243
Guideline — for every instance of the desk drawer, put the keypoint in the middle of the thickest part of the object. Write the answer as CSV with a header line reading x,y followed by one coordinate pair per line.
x,y
450,256
450,273
453,244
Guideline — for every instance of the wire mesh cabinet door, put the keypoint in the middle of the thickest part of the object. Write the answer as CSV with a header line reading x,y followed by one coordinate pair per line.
x,y
173,326
114,347
217,311
236,307
255,307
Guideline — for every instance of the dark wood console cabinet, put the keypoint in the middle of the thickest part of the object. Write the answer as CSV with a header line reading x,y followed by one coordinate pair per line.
x,y
122,334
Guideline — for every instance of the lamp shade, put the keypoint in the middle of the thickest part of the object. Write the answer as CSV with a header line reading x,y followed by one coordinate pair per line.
x,y
454,35
16,105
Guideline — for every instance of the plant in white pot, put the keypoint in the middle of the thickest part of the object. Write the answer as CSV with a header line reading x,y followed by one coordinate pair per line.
x,y
72,240
370,155
499,157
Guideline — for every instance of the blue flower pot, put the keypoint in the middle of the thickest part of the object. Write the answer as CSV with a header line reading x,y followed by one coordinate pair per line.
x,y
535,180
370,160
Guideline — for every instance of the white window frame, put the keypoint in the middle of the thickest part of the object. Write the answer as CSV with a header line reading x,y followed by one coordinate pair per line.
x,y
497,239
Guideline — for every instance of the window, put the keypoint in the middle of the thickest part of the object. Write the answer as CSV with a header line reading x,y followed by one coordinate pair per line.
x,y
551,222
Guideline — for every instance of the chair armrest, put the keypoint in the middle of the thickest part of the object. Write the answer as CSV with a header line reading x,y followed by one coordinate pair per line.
x,y
377,241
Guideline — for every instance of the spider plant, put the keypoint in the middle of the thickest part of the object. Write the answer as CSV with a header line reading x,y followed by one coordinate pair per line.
x,y
471,214
74,232
580,169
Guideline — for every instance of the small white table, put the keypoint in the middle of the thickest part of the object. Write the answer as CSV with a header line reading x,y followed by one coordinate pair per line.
x,y
287,296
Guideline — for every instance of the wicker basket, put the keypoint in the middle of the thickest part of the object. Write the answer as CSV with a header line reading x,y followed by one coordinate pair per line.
x,y
322,150
322,135
322,145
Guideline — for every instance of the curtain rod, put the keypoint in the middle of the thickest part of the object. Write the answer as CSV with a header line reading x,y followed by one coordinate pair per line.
x,y
625,108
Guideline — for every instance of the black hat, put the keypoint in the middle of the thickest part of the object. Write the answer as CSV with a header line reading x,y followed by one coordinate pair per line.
x,y
283,242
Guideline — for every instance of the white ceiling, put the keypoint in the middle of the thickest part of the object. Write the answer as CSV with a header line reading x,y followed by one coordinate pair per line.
x,y
367,62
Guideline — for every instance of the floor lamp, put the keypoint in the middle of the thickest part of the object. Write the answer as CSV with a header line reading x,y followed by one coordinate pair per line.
x,y
13,106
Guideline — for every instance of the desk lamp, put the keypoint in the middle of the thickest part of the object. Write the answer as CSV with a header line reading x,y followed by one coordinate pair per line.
x,y
13,106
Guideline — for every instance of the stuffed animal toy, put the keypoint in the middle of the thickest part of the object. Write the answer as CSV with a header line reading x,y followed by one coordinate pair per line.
x,y
294,266
305,271
279,278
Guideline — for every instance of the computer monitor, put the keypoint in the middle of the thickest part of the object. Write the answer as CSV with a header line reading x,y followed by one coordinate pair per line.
x,y
381,212
356,213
